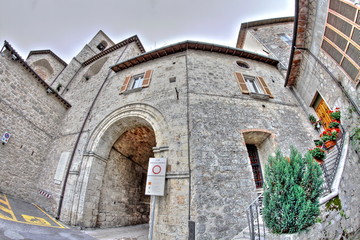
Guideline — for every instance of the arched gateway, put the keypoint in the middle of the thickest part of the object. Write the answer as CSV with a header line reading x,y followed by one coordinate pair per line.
x,y
110,188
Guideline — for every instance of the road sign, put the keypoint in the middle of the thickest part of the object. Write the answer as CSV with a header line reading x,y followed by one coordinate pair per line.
x,y
5,137
155,182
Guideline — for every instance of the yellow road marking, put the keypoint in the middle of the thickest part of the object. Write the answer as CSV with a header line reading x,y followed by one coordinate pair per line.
x,y
5,217
61,226
6,208
36,220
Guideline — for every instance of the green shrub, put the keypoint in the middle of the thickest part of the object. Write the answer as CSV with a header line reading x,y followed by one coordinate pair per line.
x,y
292,191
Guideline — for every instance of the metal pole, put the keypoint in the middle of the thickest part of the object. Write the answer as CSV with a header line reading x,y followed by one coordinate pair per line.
x,y
152,217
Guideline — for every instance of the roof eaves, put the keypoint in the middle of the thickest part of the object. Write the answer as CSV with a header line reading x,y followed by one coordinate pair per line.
x,y
298,43
185,45
115,47
244,26
40,80
48,51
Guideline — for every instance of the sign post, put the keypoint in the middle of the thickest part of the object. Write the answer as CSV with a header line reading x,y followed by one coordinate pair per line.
x,y
155,185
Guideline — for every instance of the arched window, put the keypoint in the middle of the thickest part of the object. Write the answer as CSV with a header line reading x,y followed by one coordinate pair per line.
x,y
102,45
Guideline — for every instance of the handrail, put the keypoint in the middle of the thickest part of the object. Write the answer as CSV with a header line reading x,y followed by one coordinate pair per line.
x,y
253,214
332,160
330,168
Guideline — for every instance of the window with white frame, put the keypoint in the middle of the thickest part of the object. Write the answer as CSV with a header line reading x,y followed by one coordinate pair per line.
x,y
253,85
137,81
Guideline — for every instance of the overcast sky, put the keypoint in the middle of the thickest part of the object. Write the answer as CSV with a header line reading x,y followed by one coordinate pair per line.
x,y
65,26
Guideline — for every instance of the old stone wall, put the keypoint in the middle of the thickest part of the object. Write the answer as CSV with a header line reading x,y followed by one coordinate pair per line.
x,y
340,223
122,200
47,67
80,92
312,73
268,36
33,118
222,181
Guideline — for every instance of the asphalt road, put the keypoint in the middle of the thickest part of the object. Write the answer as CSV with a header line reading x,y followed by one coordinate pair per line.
x,y
24,221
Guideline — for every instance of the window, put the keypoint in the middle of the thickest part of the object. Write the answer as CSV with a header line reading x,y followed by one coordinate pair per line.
x,y
285,38
137,81
242,64
255,165
102,45
253,85
341,37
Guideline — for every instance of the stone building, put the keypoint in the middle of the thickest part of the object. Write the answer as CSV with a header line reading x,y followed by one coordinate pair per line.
x,y
82,133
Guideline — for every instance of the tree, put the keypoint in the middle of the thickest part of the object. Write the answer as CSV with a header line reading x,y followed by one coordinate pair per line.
x,y
292,190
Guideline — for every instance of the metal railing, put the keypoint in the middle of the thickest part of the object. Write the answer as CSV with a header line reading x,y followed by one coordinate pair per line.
x,y
330,166
254,217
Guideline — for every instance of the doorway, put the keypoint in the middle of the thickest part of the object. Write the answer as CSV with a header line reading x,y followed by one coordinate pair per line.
x,y
122,199
322,111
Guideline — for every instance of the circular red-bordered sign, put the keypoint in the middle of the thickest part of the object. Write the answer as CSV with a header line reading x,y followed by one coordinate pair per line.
x,y
156,169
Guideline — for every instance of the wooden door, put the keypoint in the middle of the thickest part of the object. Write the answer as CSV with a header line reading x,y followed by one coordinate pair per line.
x,y
322,110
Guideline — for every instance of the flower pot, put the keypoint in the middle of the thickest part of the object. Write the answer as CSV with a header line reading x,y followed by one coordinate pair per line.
x,y
330,144
320,161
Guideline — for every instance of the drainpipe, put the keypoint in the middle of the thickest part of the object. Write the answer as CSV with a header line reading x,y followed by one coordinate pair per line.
x,y
296,21
72,76
78,139
348,97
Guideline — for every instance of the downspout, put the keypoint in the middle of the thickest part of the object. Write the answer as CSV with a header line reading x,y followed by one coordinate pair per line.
x,y
60,74
72,77
191,224
78,139
296,21
348,97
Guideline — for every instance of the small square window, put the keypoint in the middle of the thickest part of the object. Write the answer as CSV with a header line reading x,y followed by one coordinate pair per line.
x,y
253,85
136,81
286,38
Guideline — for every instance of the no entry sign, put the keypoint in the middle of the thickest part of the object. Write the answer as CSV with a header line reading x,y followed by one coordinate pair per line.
x,y
155,182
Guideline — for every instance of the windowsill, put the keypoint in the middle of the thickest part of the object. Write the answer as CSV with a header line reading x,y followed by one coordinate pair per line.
x,y
259,96
132,90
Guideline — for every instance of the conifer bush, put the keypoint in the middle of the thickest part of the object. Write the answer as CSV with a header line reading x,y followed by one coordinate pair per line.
x,y
292,190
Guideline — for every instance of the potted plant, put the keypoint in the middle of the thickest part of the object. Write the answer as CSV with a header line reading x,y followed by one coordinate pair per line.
x,y
334,124
318,154
318,143
335,114
329,137
312,119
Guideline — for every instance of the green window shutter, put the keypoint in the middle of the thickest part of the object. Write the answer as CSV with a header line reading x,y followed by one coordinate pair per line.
x,y
242,84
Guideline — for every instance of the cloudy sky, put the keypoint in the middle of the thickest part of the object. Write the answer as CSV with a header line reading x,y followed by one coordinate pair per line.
x,y
65,26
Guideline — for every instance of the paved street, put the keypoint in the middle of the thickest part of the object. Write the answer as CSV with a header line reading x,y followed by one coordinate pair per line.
x,y
24,221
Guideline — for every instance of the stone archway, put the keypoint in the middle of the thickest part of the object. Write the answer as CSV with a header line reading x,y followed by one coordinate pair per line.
x,y
103,148
122,199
